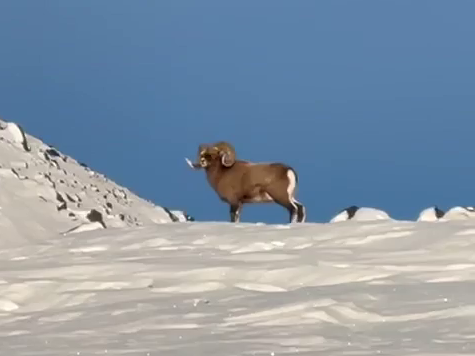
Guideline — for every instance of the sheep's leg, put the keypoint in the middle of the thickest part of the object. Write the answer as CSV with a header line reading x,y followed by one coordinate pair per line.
x,y
301,213
283,194
235,212
281,197
293,211
298,212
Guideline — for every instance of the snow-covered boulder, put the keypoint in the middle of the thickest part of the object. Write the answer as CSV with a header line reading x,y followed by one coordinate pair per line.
x,y
434,213
357,213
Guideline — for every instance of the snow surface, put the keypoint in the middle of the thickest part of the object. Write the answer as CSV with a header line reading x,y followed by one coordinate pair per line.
x,y
144,286
351,288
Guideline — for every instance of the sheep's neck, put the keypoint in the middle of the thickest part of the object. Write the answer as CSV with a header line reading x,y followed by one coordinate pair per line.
x,y
213,173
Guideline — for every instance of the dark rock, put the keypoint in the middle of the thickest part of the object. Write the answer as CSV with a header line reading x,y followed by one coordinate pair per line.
x,y
96,216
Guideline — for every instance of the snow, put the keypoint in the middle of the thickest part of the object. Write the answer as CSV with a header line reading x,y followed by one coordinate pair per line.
x,y
455,213
146,286
350,288
361,214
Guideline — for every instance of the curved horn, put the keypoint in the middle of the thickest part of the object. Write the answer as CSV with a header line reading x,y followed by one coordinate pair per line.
x,y
227,153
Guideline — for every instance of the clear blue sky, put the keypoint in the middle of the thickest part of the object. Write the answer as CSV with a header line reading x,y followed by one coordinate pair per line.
x,y
373,102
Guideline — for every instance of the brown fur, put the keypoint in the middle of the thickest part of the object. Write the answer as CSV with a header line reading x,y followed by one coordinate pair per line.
x,y
246,182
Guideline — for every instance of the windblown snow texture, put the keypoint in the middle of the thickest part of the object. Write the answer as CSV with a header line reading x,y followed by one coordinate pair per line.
x,y
352,288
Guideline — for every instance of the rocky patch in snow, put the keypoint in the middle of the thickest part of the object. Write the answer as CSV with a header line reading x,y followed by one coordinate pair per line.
x,y
43,191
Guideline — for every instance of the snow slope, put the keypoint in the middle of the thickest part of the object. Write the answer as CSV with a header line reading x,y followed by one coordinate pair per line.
x,y
349,288
44,192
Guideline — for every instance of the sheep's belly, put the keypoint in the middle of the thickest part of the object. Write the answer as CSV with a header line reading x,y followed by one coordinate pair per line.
x,y
262,197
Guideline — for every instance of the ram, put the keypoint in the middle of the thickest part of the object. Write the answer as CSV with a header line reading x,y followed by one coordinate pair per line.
x,y
238,182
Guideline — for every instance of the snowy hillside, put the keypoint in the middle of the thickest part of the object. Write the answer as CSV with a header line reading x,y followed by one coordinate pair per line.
x,y
44,192
217,289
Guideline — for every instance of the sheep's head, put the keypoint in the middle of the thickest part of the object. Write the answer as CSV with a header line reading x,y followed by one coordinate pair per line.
x,y
221,152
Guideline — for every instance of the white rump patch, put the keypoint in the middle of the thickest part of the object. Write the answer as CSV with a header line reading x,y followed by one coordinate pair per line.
x,y
292,184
